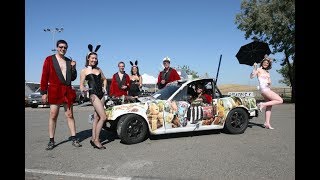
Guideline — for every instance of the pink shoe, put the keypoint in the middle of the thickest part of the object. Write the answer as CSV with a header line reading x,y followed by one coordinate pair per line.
x,y
268,126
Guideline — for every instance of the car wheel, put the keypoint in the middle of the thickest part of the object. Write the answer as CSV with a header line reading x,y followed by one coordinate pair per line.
x,y
237,121
132,129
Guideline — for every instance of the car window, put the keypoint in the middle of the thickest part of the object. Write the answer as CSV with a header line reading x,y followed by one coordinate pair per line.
x,y
182,95
217,93
38,90
166,92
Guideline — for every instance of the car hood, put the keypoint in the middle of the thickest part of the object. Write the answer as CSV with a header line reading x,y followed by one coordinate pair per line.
x,y
139,108
146,99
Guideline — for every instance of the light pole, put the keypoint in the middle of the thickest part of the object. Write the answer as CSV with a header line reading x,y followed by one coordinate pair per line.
x,y
53,31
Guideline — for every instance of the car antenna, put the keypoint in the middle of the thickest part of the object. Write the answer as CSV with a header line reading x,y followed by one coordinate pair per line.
x,y
215,82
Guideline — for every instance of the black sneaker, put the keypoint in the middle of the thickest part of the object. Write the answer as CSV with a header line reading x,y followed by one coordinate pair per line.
x,y
50,145
76,143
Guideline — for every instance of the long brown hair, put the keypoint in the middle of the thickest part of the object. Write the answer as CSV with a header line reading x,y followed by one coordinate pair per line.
x,y
266,58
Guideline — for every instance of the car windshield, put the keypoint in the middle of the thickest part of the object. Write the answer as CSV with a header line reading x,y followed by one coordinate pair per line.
x,y
166,92
37,91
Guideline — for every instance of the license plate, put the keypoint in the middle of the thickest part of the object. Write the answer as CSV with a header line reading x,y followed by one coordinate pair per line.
x,y
34,101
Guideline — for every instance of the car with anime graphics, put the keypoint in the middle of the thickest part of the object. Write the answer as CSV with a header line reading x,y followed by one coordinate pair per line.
x,y
171,110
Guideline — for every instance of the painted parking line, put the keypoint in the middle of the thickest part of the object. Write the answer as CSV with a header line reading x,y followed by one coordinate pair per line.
x,y
79,175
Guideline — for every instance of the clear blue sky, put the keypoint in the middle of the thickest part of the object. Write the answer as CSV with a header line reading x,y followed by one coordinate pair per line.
x,y
190,32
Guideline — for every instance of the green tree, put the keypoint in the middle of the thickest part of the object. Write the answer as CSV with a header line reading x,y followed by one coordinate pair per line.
x,y
272,21
284,72
189,71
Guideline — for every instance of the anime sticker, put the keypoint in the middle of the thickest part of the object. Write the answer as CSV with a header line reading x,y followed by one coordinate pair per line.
x,y
115,111
162,114
155,115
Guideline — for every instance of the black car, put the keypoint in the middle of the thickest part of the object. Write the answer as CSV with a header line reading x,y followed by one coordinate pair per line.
x,y
80,97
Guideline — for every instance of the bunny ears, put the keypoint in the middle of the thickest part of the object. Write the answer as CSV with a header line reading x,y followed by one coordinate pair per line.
x,y
266,57
135,63
90,47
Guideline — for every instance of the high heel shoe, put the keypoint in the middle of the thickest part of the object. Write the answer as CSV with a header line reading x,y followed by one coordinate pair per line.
x,y
268,127
95,146
92,143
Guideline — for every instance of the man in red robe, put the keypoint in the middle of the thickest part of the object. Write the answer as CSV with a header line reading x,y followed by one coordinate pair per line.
x,y
55,86
120,82
167,75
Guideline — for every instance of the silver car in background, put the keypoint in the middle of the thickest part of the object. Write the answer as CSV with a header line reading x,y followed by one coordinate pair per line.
x,y
35,99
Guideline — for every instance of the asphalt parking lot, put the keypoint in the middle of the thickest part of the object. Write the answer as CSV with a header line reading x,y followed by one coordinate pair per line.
x,y
256,154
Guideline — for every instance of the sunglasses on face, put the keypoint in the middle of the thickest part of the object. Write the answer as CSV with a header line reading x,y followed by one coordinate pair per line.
x,y
62,47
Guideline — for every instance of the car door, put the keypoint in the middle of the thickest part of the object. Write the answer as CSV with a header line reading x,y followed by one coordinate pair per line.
x,y
183,114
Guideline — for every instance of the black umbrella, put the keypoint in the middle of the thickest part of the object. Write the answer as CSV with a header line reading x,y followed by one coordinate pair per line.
x,y
253,52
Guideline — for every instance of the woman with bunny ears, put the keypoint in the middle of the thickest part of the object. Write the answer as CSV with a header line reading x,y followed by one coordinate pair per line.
x,y
97,83
135,80
270,96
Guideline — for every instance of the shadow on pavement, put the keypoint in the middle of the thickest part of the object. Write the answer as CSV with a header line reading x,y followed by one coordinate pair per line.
x,y
251,124
185,134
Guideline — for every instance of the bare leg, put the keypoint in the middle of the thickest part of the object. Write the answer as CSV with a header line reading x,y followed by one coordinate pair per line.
x,y
274,99
94,125
271,98
101,117
268,117
70,119
54,112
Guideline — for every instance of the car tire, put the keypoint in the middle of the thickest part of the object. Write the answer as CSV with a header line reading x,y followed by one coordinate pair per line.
x,y
237,121
132,129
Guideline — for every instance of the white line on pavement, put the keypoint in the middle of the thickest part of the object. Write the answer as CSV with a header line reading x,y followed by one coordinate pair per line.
x,y
72,174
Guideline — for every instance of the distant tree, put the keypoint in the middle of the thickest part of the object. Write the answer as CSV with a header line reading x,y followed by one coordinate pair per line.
x,y
206,75
272,21
189,71
284,72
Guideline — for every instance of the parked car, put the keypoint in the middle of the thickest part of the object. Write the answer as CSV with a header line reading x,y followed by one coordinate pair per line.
x,y
30,87
80,97
35,99
171,110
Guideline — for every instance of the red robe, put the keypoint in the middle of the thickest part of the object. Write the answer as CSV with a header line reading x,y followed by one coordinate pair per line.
x,y
170,76
208,97
115,89
59,90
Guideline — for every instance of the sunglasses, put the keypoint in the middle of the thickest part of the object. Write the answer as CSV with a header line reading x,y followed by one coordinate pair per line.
x,y
62,47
